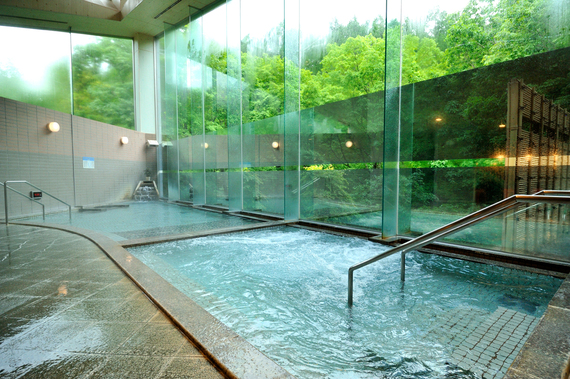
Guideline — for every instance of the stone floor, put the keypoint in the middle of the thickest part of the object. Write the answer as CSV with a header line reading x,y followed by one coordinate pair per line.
x,y
67,311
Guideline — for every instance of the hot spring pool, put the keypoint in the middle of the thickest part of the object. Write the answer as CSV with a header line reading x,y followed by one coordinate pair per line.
x,y
285,291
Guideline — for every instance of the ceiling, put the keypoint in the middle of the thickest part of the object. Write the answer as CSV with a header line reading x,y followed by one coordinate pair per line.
x,y
121,18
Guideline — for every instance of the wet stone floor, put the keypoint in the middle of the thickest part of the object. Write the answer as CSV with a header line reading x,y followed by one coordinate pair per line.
x,y
67,311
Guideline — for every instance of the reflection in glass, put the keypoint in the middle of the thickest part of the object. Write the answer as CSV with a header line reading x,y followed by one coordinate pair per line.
x,y
35,67
391,117
103,79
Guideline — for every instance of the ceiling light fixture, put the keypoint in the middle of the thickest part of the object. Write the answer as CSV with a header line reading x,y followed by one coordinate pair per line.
x,y
167,9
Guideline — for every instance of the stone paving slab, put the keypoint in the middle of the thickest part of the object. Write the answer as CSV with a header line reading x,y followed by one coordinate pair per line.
x,y
67,311
231,354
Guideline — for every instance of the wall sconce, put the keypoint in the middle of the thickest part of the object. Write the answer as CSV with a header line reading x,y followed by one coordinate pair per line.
x,y
53,127
349,144
151,142
124,140
275,145
206,145
502,125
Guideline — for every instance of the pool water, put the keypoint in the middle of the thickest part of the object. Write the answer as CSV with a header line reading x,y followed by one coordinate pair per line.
x,y
145,219
285,291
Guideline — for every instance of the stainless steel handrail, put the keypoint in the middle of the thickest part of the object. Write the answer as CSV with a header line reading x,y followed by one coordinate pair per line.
x,y
455,226
6,187
21,194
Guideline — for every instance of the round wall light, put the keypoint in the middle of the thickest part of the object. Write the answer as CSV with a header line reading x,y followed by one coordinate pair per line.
x,y
349,144
124,140
275,145
53,127
206,145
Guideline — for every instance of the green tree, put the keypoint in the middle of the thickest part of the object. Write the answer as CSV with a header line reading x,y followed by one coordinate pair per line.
x,y
521,30
352,69
469,36
103,81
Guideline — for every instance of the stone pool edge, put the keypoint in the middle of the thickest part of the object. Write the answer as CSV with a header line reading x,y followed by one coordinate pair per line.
x,y
546,352
229,352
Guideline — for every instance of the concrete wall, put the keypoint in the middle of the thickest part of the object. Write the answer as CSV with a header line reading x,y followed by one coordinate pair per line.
x,y
145,118
55,161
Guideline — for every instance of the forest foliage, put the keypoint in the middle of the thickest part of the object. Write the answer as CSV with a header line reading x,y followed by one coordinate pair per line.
x,y
101,77
351,62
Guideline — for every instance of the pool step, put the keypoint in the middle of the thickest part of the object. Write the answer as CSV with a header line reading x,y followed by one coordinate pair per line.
x,y
146,191
490,349
454,326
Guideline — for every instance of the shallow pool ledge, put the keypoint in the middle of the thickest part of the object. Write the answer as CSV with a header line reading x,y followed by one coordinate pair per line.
x,y
232,354
545,353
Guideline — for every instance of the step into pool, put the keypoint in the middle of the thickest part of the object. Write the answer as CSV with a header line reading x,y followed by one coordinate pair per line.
x,y
285,291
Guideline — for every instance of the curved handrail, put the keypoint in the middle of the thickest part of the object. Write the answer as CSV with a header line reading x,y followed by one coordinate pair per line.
x,y
457,225
6,187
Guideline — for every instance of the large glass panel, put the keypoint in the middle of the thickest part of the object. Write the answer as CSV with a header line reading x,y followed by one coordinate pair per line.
x,y
262,97
182,114
535,230
162,177
196,74
292,114
263,178
342,82
173,122
215,106
35,67
234,119
488,110
103,79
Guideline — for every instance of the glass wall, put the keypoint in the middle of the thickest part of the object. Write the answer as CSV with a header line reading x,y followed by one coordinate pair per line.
x,y
398,116
342,124
472,133
40,73
103,79
35,67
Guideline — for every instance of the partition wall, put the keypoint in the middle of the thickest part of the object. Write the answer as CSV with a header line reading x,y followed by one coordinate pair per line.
x,y
388,116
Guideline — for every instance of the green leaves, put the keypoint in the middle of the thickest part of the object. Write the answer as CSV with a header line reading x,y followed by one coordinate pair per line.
x,y
103,81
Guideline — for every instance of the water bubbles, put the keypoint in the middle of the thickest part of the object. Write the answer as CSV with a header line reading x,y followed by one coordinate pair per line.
x,y
146,193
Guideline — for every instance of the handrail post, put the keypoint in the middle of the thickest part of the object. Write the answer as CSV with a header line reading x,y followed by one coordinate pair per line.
x,y
403,267
6,203
36,187
350,280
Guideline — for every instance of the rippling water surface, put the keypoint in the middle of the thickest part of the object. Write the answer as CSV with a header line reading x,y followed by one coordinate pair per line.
x,y
285,291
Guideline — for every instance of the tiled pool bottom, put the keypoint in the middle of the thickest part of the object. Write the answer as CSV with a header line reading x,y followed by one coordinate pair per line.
x,y
145,219
284,290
